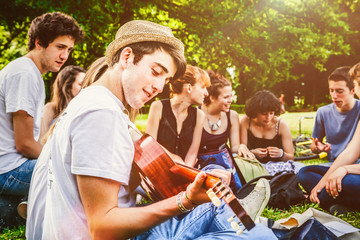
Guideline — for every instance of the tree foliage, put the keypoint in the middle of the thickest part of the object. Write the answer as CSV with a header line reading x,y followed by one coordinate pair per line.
x,y
285,46
266,41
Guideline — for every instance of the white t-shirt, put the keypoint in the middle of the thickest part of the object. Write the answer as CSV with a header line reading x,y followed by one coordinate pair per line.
x,y
37,194
21,88
90,138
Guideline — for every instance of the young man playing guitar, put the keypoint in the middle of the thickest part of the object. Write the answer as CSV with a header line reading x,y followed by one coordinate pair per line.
x,y
90,153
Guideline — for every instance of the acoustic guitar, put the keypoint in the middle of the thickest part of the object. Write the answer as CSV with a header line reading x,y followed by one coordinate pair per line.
x,y
163,178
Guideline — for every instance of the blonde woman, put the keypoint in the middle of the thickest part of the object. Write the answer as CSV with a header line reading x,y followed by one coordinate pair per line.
x,y
174,122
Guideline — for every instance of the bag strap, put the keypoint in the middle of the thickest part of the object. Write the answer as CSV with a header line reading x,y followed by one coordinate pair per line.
x,y
268,177
242,179
284,172
277,126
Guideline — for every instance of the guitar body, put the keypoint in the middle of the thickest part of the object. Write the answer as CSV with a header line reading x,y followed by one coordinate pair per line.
x,y
153,164
162,178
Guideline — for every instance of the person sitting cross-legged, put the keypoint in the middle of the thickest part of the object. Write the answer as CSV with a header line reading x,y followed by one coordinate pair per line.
x,y
337,188
337,121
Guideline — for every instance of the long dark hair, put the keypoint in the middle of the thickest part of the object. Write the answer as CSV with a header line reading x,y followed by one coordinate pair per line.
x,y
61,94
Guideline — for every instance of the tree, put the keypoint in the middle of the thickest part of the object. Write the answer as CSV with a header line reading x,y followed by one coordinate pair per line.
x,y
283,46
264,41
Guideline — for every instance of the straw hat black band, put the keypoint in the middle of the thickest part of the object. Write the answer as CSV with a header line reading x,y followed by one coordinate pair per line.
x,y
142,31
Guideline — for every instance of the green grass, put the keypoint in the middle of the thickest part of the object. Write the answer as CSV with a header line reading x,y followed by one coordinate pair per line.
x,y
12,234
293,120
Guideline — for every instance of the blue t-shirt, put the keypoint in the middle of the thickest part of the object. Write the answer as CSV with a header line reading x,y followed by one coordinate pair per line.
x,y
337,127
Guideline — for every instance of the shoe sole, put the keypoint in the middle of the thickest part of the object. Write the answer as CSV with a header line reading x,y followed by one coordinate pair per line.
x,y
22,210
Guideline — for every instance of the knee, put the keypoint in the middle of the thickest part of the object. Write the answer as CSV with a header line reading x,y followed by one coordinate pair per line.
x,y
351,183
260,231
302,174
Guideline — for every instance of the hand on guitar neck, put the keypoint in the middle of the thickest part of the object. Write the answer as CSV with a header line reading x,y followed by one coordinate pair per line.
x,y
197,188
217,189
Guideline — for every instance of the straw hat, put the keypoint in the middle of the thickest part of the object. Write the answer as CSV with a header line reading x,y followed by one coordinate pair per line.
x,y
141,31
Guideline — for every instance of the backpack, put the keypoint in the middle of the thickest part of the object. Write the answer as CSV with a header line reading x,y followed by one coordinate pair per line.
x,y
285,190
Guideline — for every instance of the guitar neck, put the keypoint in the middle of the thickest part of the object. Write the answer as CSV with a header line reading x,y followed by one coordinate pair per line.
x,y
190,174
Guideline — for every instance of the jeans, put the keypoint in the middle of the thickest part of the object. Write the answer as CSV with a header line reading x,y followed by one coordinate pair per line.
x,y
349,197
14,188
204,222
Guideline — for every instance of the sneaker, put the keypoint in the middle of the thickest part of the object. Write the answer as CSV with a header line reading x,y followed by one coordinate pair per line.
x,y
255,203
339,209
22,209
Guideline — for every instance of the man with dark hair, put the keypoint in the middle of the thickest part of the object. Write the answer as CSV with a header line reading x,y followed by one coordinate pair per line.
x,y
49,26
335,185
337,121
22,95
85,169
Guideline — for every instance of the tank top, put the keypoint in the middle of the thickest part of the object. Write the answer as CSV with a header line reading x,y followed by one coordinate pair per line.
x,y
255,142
167,135
210,142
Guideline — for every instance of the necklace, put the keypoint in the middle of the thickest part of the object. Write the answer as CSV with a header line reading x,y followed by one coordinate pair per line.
x,y
214,126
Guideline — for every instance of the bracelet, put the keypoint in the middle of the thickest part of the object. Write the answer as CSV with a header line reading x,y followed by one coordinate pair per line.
x,y
181,206
190,200
282,153
347,172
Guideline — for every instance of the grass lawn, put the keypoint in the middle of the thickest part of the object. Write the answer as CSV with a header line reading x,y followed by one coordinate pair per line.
x,y
293,120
